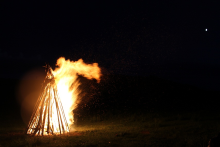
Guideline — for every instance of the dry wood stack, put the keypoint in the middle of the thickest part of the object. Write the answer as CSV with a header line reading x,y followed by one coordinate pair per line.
x,y
48,116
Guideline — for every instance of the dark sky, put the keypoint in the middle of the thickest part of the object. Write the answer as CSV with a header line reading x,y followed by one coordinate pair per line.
x,y
166,39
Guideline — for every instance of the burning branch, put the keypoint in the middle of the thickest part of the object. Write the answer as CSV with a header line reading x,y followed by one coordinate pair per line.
x,y
48,116
53,111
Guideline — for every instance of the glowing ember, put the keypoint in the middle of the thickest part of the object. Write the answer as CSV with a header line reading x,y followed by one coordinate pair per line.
x,y
53,111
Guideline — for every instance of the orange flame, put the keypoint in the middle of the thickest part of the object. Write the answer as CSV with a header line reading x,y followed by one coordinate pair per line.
x,y
66,79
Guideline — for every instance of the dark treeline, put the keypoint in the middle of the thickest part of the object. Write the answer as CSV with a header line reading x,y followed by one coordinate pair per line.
x,y
138,94
124,94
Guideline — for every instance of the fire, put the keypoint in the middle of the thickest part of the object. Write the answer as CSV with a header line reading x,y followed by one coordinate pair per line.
x,y
53,113
66,79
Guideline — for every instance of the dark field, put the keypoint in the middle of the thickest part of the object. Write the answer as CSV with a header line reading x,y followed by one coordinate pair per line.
x,y
124,111
153,129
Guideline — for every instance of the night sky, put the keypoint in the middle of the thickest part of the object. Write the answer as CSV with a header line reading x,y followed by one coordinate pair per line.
x,y
163,39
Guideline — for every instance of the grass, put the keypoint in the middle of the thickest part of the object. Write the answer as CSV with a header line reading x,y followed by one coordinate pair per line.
x,y
146,129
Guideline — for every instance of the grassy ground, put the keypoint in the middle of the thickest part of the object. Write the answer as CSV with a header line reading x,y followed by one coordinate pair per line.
x,y
152,129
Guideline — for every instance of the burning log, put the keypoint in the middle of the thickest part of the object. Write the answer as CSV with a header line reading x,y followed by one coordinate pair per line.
x,y
48,116
53,113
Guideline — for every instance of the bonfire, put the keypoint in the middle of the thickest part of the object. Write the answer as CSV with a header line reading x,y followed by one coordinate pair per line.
x,y
53,113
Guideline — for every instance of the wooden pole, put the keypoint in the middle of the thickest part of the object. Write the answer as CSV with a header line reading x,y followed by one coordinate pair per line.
x,y
48,123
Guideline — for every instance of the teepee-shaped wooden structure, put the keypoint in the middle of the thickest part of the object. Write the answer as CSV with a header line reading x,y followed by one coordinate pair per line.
x,y
48,116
